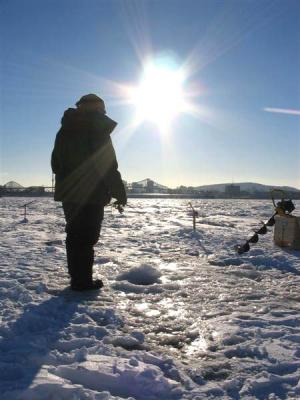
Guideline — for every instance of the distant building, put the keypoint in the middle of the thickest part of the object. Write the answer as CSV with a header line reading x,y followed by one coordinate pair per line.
x,y
232,190
150,186
136,187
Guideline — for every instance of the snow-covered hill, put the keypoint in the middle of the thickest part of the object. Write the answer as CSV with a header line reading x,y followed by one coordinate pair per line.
x,y
247,186
181,315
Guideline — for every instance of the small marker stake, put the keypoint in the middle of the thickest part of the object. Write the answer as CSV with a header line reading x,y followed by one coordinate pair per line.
x,y
25,210
195,215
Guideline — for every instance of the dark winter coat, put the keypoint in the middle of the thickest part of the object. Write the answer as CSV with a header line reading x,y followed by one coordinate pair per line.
x,y
84,161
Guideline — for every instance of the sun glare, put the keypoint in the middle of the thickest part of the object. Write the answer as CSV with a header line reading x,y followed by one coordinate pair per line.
x,y
160,96
164,91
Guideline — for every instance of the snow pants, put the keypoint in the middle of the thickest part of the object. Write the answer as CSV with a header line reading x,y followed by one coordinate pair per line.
x,y
83,225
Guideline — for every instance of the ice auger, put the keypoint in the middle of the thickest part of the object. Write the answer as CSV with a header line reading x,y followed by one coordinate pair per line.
x,y
283,207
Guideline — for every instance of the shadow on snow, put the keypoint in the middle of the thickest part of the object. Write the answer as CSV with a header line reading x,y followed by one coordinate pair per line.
x,y
26,342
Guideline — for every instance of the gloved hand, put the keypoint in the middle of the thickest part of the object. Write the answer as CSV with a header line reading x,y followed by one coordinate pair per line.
x,y
118,206
121,197
118,191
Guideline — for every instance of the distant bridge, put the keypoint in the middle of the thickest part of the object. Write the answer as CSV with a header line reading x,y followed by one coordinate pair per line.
x,y
27,191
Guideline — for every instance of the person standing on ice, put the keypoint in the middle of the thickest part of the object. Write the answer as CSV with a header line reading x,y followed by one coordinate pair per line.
x,y
86,179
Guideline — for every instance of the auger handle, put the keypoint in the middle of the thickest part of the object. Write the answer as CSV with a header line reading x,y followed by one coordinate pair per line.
x,y
282,196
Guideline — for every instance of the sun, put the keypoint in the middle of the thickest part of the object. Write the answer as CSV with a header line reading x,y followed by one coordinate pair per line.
x,y
160,95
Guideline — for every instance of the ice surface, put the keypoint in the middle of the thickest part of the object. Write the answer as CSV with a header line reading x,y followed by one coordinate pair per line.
x,y
181,315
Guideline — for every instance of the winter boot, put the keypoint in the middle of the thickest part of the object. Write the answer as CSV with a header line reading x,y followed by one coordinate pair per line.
x,y
93,285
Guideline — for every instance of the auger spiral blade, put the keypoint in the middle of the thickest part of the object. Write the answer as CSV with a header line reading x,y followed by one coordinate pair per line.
x,y
254,238
271,221
263,230
243,248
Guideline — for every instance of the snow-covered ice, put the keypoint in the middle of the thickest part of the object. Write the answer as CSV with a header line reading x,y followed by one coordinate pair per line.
x,y
181,315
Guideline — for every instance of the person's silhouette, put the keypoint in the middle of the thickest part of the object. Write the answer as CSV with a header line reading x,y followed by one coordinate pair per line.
x,y
86,179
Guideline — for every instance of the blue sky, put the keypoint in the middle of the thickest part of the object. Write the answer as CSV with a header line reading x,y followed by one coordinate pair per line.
x,y
244,53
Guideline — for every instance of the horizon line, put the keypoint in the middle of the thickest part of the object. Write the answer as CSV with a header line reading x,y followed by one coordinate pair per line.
x,y
178,186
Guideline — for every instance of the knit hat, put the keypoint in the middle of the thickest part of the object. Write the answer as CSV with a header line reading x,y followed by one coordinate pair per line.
x,y
90,98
